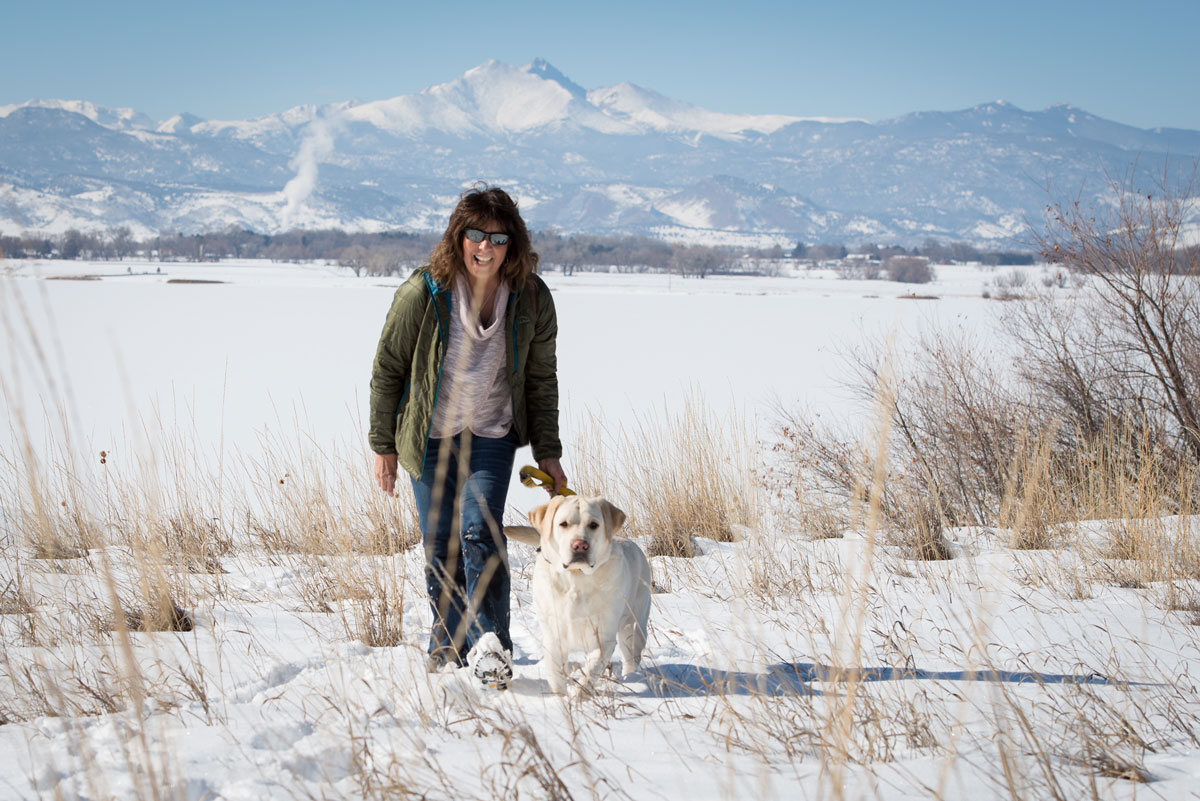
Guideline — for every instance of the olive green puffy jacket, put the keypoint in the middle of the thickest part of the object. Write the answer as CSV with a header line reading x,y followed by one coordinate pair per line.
x,y
408,364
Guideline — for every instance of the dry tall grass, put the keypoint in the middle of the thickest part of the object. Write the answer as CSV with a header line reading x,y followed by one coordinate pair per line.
x,y
840,667
845,717
682,474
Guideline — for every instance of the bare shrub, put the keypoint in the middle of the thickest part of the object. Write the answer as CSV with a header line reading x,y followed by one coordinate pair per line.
x,y
793,501
908,270
1010,285
1059,278
858,270
968,449
949,457
1137,325
1100,417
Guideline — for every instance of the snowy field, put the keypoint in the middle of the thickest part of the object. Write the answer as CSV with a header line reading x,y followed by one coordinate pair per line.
x,y
277,349
779,666
274,344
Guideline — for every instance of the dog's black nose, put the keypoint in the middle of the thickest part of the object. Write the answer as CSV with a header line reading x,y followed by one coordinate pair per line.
x,y
579,546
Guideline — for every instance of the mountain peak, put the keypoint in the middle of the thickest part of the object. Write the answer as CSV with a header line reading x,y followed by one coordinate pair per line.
x,y
542,68
622,158
119,119
995,106
1067,108
180,123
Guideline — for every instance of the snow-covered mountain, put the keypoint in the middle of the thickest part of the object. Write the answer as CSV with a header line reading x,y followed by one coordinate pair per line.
x,y
119,119
622,158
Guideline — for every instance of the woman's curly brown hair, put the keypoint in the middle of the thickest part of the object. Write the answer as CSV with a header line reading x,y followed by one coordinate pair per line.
x,y
478,206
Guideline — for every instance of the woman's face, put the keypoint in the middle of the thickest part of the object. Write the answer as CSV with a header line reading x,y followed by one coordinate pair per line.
x,y
483,259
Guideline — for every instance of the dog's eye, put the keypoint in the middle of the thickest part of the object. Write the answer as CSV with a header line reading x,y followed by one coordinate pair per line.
x,y
593,525
563,524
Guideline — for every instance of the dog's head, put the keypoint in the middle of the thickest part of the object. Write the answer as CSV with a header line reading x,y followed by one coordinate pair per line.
x,y
576,532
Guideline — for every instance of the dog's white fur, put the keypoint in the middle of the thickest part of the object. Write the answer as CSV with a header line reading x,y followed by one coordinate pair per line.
x,y
590,589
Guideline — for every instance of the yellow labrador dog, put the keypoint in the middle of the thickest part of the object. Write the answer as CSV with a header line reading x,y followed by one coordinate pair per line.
x,y
589,587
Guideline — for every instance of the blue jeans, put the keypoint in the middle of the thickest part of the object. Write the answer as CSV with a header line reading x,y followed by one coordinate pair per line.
x,y
460,501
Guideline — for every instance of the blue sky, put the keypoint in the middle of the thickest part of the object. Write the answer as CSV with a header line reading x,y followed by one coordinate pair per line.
x,y
1134,63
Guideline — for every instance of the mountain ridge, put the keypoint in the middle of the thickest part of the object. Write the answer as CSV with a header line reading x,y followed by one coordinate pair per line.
x,y
622,158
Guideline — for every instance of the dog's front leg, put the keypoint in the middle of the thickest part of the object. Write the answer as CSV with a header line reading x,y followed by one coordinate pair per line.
x,y
555,661
597,660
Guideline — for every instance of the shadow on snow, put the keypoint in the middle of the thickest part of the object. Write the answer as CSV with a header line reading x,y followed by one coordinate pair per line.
x,y
797,678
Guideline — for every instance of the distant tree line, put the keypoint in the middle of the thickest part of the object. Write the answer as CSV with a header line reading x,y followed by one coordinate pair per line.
x,y
633,254
377,253
398,252
387,253
935,251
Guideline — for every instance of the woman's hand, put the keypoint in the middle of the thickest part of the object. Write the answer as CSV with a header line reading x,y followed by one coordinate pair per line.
x,y
552,468
385,472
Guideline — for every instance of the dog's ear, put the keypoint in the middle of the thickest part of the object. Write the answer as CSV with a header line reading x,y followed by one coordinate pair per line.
x,y
543,516
538,514
614,518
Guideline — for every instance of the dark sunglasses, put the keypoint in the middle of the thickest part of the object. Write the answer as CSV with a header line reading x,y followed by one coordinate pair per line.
x,y
475,235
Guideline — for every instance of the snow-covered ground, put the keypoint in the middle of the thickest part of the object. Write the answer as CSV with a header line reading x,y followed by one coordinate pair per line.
x,y
778,666
279,344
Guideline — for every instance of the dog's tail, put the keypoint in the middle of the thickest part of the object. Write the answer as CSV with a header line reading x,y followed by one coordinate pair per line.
x,y
526,535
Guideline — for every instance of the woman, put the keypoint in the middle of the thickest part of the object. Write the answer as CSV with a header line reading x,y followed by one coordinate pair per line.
x,y
465,374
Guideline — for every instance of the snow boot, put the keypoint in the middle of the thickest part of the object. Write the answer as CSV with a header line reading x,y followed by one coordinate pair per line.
x,y
490,664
